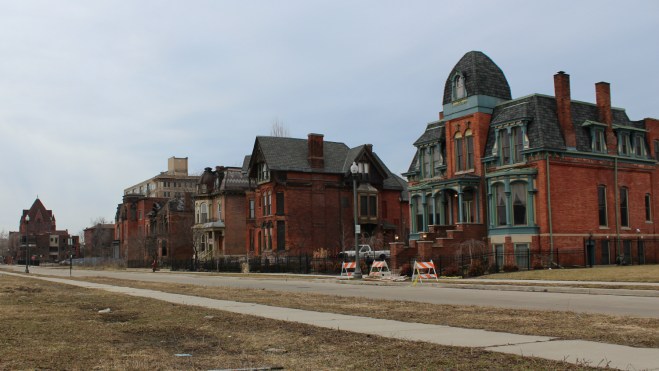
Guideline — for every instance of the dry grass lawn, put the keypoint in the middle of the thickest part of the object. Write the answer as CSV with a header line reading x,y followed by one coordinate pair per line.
x,y
641,332
59,327
612,273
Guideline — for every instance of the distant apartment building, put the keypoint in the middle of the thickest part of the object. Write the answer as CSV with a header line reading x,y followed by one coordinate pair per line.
x,y
172,183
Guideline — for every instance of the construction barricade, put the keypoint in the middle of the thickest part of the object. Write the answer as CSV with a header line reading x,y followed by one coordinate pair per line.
x,y
379,269
424,271
348,269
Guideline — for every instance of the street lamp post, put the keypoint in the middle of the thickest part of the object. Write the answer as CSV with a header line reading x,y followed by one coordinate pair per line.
x,y
27,245
70,256
358,270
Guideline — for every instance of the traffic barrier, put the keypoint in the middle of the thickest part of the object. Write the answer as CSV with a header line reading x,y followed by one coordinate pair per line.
x,y
379,269
424,271
348,269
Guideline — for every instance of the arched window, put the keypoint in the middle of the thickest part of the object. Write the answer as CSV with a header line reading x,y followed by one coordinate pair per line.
x,y
601,205
459,90
457,145
624,207
418,206
519,203
500,201
469,144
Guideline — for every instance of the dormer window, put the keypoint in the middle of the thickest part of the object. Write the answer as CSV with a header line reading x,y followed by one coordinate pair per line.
x,y
639,146
510,144
598,140
263,173
459,90
623,144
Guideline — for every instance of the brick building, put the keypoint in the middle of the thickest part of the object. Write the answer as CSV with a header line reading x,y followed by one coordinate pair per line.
x,y
131,227
168,226
220,213
527,179
302,197
46,243
98,241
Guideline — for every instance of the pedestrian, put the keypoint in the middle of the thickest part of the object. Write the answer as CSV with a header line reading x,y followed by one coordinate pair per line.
x,y
154,265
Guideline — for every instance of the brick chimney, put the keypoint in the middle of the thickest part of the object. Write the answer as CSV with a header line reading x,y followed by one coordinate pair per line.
x,y
604,115
563,109
315,151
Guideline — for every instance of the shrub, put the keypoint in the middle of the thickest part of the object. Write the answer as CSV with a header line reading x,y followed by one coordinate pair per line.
x,y
510,268
538,265
450,272
476,269
493,269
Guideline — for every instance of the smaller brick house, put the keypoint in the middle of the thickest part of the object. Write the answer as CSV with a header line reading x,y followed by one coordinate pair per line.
x,y
302,197
168,226
220,217
98,241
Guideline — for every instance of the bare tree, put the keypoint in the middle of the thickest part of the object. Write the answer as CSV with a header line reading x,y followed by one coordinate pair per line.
x,y
278,129
4,244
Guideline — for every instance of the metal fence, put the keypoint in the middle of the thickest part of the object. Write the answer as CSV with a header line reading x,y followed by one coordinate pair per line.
x,y
595,251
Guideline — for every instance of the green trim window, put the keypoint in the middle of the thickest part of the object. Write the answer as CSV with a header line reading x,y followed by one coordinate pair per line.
x,y
639,146
427,157
500,201
511,144
459,164
601,205
598,140
624,207
519,203
504,140
459,90
469,143
623,144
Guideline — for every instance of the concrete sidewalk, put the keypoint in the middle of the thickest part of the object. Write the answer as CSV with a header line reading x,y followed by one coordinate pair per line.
x,y
573,351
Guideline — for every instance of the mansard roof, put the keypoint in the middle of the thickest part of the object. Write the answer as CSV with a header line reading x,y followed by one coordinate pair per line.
x,y
543,129
482,77
434,132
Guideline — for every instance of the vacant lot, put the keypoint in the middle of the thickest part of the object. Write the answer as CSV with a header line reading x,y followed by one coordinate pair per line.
x,y
52,326
643,332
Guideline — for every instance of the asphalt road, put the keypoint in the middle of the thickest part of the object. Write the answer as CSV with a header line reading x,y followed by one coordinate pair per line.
x,y
587,303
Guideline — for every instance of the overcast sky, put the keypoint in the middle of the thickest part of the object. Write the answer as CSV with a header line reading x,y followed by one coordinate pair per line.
x,y
95,96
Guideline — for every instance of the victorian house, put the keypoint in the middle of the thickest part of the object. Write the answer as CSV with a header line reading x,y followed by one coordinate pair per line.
x,y
535,175
302,197
220,217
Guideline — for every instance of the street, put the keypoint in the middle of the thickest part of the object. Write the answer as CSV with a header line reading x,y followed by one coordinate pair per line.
x,y
586,303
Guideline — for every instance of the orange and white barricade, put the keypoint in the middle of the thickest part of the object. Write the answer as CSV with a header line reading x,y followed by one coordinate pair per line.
x,y
379,269
424,271
348,269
